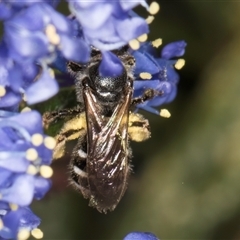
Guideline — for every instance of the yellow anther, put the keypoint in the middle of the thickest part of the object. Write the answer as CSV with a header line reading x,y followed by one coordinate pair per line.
x,y
31,154
134,44
165,113
49,142
52,35
13,206
2,91
32,170
149,19
180,63
154,8
37,139
156,43
26,109
143,38
1,224
145,75
46,171
37,233
51,72
23,234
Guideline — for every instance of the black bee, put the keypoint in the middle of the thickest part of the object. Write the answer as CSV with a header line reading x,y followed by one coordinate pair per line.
x,y
103,124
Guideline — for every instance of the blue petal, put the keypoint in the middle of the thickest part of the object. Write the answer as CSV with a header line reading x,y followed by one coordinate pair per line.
x,y
128,5
31,121
42,186
21,191
10,100
28,219
75,49
5,175
174,49
94,16
11,222
44,88
14,163
131,28
110,65
145,63
22,44
141,236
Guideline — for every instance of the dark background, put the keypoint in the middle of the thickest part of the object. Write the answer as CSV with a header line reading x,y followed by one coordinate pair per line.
x,y
185,183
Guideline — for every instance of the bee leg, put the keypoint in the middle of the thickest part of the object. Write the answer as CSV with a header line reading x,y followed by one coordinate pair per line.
x,y
147,95
72,129
49,117
138,128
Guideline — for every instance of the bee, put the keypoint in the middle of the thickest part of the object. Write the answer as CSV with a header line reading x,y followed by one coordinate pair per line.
x,y
103,124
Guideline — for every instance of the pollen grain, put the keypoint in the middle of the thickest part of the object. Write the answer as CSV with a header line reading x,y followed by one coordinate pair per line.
x,y
2,91
37,233
31,154
37,139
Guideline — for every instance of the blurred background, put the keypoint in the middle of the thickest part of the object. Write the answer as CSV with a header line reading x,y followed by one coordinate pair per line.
x,y
186,178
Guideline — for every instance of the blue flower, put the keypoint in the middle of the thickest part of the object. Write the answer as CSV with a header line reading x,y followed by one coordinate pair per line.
x,y
13,220
157,72
25,155
109,25
140,236
36,32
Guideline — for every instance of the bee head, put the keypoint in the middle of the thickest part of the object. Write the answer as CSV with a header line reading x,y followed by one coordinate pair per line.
x,y
107,88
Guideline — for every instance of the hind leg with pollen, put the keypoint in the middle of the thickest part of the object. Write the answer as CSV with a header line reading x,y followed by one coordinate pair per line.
x,y
138,128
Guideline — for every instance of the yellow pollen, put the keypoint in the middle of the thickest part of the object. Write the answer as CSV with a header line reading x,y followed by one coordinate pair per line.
x,y
156,43
145,75
23,234
165,113
51,73
2,91
1,224
13,206
149,19
154,8
134,44
52,35
32,170
24,97
143,38
46,171
26,109
37,233
37,139
180,63
49,142
31,154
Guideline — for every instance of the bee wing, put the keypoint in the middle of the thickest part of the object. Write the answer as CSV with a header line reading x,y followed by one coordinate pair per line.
x,y
108,155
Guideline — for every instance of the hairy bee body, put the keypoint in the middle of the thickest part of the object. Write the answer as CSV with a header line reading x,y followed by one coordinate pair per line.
x,y
103,124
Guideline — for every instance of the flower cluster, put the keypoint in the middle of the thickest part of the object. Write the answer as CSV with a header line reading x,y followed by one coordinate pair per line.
x,y
35,37
25,155
157,72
